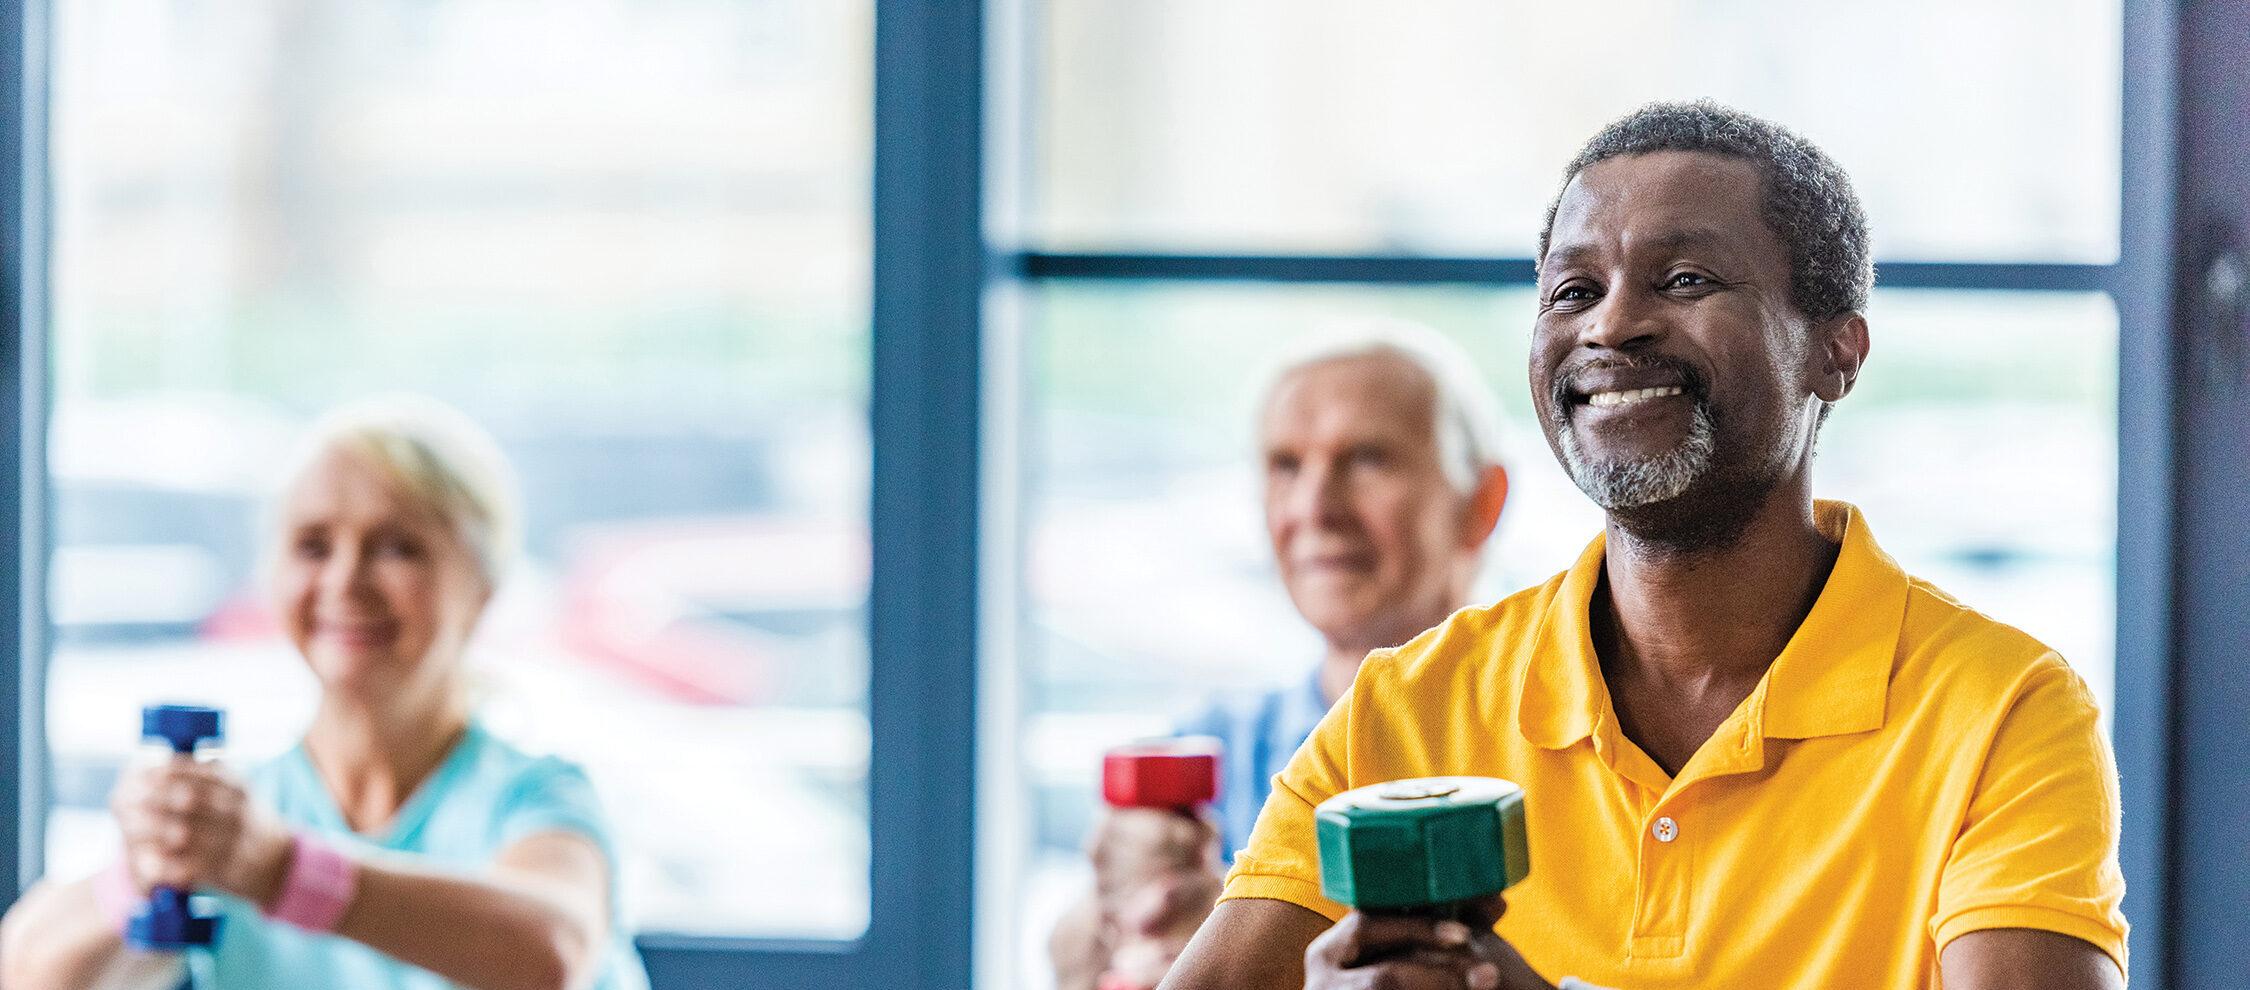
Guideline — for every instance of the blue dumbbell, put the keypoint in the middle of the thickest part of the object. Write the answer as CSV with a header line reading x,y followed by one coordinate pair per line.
x,y
167,921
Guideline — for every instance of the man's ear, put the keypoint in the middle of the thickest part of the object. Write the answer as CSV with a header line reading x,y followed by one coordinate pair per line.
x,y
1841,352
1484,506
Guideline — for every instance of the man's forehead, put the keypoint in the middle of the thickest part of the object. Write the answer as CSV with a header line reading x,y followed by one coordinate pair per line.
x,y
1362,394
1664,199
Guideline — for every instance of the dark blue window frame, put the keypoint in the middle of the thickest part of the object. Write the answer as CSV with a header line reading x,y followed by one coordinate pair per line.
x,y
924,384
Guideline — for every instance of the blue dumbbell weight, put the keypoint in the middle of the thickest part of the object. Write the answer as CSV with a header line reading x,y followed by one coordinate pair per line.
x,y
168,921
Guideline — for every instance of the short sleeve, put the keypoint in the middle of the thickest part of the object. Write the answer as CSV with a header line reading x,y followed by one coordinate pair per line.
x,y
553,795
2038,846
1282,859
1238,785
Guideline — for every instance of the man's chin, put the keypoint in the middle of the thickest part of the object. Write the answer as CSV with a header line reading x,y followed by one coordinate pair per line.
x,y
1634,486
1639,469
1692,513
1631,481
1338,619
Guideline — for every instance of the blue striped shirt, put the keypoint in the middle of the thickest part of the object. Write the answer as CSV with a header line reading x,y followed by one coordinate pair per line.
x,y
1260,733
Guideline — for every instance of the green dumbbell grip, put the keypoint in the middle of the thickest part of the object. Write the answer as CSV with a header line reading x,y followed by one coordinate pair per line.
x,y
1422,844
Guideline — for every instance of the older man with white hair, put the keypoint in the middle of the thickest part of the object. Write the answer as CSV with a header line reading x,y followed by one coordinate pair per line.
x,y
1383,481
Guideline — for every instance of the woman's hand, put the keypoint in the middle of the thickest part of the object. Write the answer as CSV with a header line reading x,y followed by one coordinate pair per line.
x,y
1402,952
191,825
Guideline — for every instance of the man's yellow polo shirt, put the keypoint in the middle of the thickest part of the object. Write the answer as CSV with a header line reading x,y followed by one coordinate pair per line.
x,y
1908,770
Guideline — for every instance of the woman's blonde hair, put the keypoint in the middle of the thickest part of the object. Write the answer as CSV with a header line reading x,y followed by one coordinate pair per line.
x,y
439,459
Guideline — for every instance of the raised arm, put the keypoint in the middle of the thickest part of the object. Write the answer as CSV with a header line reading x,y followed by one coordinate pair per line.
x,y
1254,944
58,937
537,920
1248,944
2026,959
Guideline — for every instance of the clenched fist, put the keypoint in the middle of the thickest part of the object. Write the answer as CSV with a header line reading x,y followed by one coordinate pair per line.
x,y
191,825
1404,952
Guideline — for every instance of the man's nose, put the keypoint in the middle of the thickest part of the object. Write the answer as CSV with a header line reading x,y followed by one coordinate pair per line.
x,y
1319,494
1626,319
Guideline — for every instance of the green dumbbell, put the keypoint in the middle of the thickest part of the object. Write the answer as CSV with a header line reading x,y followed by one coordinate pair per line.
x,y
1426,846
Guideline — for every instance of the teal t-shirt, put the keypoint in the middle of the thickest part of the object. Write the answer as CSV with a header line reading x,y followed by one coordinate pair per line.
x,y
485,796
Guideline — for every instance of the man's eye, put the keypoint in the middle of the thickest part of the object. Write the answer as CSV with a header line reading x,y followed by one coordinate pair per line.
x,y
1573,292
1686,280
1281,465
310,548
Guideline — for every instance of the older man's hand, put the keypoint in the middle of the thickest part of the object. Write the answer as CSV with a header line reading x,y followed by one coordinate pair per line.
x,y
1405,952
1132,847
1156,924
1156,877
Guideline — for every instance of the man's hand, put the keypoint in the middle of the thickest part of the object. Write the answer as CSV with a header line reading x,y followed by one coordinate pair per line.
x,y
1405,952
1132,847
1156,877
1156,924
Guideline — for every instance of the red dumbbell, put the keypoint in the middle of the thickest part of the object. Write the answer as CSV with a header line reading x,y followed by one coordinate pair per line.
x,y
1181,774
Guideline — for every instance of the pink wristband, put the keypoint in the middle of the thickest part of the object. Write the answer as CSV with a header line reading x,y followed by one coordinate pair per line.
x,y
319,887
114,891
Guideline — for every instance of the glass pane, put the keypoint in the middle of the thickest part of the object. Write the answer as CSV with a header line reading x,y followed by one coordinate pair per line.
x,y
1442,127
1980,443
632,241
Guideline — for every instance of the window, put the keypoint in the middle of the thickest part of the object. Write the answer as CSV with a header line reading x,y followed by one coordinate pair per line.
x,y
630,239
635,240
1202,183
1439,128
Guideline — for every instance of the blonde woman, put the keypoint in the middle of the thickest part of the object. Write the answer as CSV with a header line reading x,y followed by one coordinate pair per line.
x,y
400,845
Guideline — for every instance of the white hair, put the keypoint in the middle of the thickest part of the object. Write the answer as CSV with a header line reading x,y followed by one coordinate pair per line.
x,y
1466,413
440,459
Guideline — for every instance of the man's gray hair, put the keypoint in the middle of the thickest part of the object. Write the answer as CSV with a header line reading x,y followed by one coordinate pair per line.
x,y
1466,412
1808,200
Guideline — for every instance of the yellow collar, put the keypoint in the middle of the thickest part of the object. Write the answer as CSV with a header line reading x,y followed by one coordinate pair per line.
x,y
1832,679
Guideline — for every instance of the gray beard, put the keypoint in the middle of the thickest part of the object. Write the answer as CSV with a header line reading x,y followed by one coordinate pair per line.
x,y
1624,485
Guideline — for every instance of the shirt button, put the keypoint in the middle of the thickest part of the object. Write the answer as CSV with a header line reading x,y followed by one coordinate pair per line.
x,y
1666,830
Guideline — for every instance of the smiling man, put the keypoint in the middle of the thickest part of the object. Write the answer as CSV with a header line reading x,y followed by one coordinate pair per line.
x,y
1755,752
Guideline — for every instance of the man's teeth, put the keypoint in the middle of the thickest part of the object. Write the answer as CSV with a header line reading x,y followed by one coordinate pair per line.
x,y
1635,395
